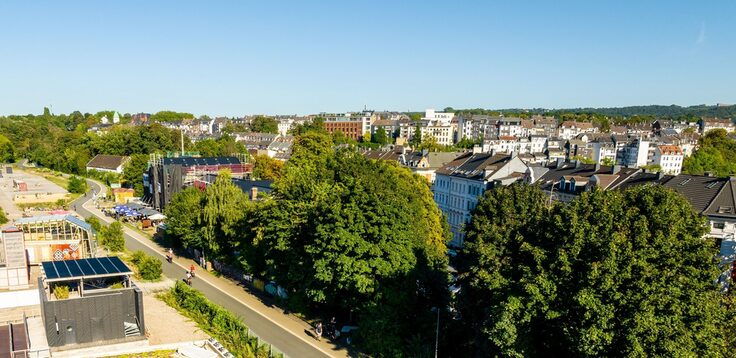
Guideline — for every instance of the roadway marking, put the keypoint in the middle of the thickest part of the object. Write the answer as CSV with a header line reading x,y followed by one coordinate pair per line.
x,y
155,249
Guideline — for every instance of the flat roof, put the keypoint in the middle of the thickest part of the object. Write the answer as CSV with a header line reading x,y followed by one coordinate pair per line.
x,y
96,267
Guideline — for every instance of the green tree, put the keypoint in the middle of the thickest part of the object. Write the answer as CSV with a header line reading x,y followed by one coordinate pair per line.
x,y
607,161
77,185
715,154
94,222
267,168
182,215
133,172
7,150
346,232
380,136
112,237
223,207
315,125
614,273
416,139
264,124
170,116
3,217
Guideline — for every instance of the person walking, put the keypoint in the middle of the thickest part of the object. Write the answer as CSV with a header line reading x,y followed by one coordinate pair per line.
x,y
318,331
170,255
332,329
191,269
189,278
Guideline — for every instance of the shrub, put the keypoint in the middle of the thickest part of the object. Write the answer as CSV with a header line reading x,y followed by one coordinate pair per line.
x,y
3,218
112,237
117,285
61,292
137,256
77,185
149,268
94,222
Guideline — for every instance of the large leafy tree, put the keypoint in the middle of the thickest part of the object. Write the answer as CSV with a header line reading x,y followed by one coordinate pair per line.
x,y
182,215
267,168
264,124
7,150
223,207
380,136
349,233
715,154
614,273
133,172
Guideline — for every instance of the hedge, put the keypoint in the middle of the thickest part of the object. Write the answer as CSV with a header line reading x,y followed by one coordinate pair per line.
x,y
224,326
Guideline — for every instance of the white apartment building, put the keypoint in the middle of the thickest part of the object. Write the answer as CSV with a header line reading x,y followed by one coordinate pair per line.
x,y
669,158
442,117
635,154
459,183
570,129
602,150
510,127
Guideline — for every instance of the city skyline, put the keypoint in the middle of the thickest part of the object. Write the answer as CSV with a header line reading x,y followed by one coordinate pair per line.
x,y
233,59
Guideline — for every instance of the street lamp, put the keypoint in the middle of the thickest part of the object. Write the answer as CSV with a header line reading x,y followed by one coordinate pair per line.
x,y
437,332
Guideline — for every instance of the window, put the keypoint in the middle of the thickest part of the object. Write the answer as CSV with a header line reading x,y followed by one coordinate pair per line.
x,y
719,226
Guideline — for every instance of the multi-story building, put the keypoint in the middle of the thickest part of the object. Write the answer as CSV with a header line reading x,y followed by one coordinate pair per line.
x,y
669,158
545,125
570,129
351,129
459,183
509,127
708,124
635,154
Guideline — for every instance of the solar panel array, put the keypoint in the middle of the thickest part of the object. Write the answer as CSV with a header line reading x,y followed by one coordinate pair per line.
x,y
108,266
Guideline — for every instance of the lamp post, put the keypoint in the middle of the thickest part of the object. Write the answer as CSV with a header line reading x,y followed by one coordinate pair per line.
x,y
437,332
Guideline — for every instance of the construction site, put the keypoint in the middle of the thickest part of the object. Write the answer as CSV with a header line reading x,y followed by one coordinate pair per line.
x,y
169,175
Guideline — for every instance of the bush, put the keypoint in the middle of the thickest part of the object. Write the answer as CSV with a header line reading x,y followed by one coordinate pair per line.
x,y
137,256
217,321
94,222
77,185
112,237
117,285
3,217
61,292
149,268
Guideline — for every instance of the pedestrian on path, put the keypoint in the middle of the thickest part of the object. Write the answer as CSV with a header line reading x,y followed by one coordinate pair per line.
x,y
189,278
191,269
318,331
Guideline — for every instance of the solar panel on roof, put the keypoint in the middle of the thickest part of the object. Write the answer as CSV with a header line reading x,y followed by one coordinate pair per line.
x,y
86,268
61,269
97,267
50,270
73,267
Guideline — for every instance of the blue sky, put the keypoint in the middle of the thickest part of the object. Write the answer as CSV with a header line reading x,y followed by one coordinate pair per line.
x,y
241,57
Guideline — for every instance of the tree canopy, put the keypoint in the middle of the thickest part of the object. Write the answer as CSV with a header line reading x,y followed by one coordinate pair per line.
x,y
170,116
263,124
715,154
346,232
267,168
613,273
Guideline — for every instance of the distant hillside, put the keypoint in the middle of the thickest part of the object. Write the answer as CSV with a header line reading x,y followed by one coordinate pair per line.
x,y
658,111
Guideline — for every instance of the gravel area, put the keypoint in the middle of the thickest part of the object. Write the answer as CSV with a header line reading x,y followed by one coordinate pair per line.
x,y
164,324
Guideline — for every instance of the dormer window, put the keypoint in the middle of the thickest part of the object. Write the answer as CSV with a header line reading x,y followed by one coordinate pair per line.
x,y
725,209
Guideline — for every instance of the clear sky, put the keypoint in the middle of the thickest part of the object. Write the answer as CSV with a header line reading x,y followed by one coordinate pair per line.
x,y
242,57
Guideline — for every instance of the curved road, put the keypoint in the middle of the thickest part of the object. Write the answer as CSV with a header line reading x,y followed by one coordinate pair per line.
x,y
292,344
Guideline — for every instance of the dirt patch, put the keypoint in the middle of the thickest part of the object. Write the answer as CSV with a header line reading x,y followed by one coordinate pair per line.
x,y
165,325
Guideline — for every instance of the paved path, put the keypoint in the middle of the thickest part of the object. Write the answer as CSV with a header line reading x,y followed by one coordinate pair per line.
x,y
286,333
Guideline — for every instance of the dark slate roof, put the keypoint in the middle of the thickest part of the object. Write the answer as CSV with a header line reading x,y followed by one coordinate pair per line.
x,y
724,204
700,191
106,161
473,165
192,161
642,178
570,169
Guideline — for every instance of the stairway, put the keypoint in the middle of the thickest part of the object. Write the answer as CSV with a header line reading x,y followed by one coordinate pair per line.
x,y
131,329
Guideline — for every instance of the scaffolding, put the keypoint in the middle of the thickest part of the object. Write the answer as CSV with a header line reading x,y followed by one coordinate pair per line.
x,y
57,237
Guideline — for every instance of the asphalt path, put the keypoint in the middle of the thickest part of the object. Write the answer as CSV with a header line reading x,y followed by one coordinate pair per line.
x,y
295,345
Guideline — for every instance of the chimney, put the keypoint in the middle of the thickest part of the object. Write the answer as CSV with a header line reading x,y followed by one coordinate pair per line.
x,y
709,174
660,175
577,163
597,167
560,163
253,193
615,169
477,149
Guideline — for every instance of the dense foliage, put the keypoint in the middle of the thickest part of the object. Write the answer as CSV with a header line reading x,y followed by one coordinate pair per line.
x,y
3,217
7,150
77,185
170,116
264,124
133,172
613,273
716,152
149,267
112,237
223,325
210,219
351,234
223,146
267,168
